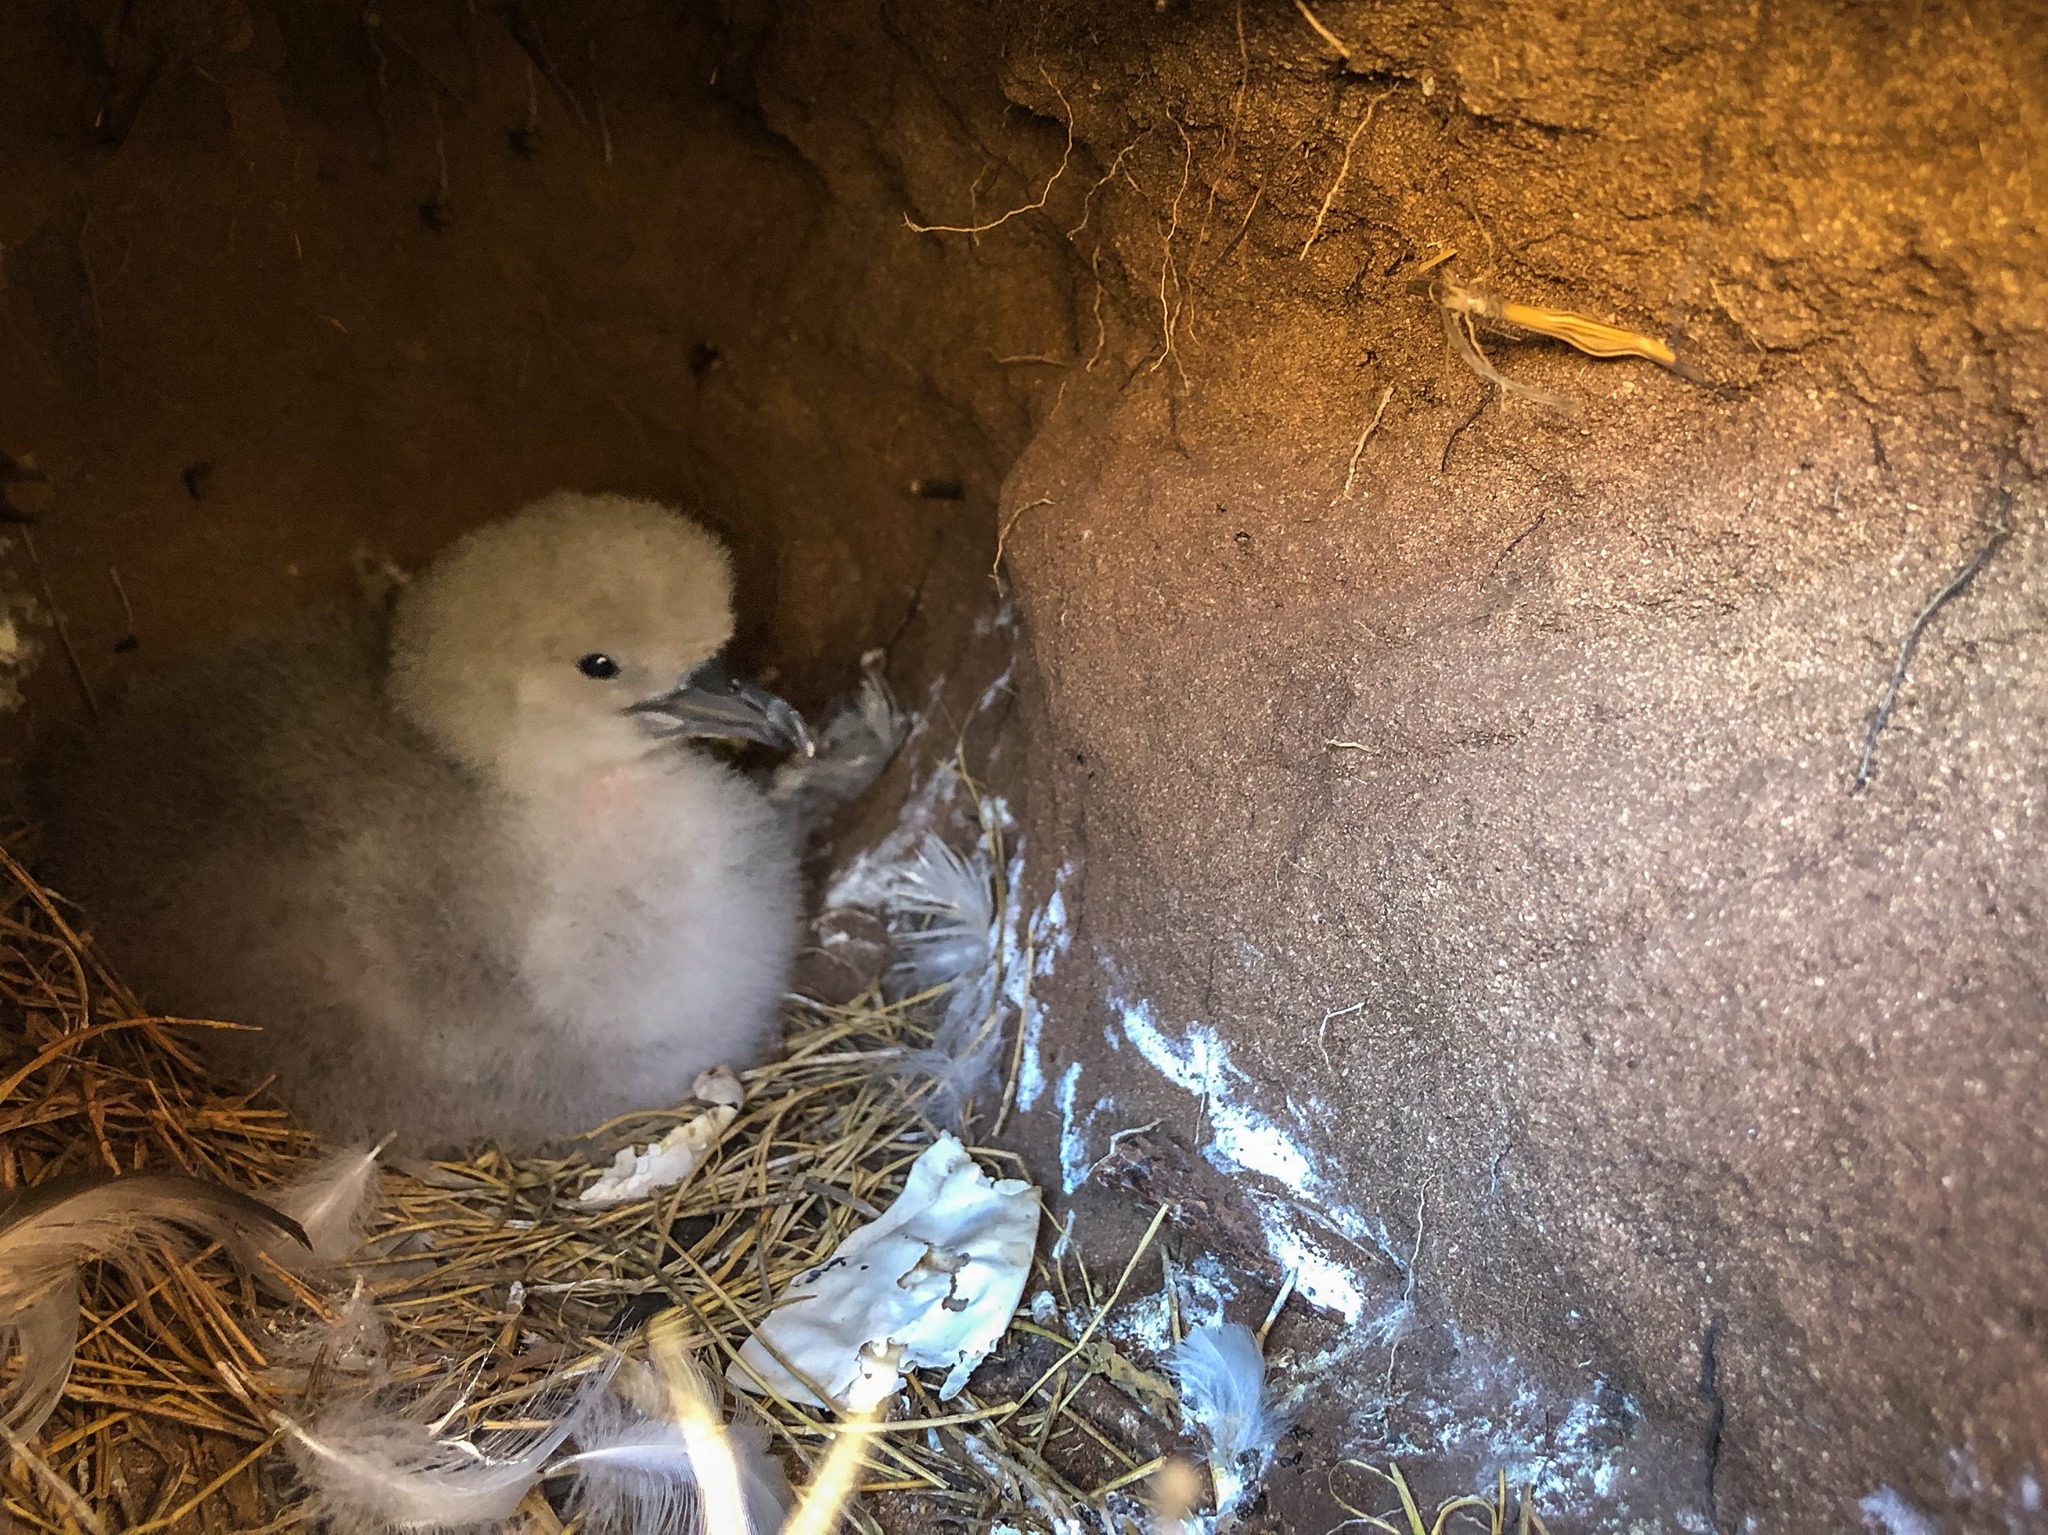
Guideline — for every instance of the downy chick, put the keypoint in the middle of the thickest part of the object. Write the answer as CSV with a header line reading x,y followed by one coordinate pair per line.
x,y
469,878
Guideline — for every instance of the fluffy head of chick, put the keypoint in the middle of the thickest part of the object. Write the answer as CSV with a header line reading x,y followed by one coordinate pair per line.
x,y
559,642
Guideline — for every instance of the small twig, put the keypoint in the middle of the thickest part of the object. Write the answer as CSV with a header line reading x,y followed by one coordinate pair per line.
x,y
1336,42
1273,1311
66,1494
2001,530
1066,158
1371,426
28,541
1343,168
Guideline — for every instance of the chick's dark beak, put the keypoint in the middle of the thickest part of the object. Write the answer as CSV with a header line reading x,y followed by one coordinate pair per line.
x,y
712,703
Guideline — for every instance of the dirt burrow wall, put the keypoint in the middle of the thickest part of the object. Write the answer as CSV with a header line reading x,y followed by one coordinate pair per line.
x,y
1455,801
286,285
1448,798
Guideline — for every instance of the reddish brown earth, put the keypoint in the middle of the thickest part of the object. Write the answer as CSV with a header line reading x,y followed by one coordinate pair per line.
x,y
1672,1035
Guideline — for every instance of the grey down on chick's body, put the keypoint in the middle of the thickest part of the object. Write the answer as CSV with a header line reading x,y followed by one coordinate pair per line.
x,y
468,876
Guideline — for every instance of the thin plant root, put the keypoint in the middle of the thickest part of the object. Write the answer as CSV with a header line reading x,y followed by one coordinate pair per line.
x,y
1343,49
1458,331
1101,329
1358,452
1258,195
1343,170
1230,139
995,571
1034,206
1115,168
1172,290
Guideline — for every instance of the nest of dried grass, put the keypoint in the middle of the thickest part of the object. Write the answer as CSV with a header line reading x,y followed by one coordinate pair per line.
x,y
492,1279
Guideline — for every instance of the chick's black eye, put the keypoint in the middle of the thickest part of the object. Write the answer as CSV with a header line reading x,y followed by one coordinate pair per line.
x,y
599,665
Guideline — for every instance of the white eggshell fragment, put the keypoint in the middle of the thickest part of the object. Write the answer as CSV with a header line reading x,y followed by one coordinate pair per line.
x,y
931,1284
635,1173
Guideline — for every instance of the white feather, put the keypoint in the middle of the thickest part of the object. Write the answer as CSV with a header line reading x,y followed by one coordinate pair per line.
x,y
1221,1375
854,748
43,1335
941,910
331,1201
962,1056
942,913
379,1473
635,1476
48,1230
351,1347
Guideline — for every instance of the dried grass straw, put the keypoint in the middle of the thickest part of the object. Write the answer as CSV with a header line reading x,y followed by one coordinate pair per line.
x,y
490,1278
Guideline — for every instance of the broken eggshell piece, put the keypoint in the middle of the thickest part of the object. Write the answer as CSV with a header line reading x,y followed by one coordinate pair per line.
x,y
634,1174
931,1284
